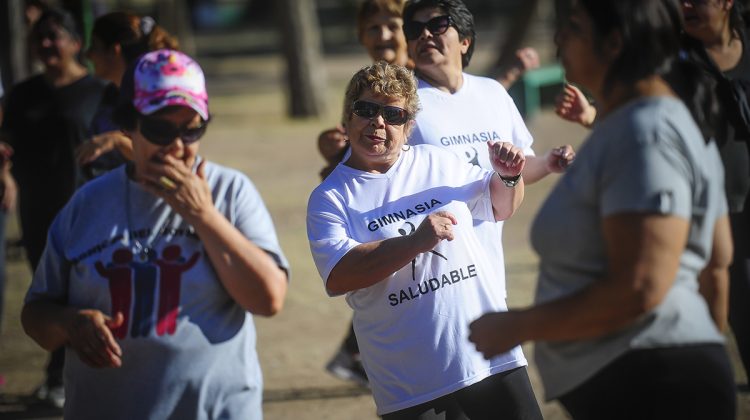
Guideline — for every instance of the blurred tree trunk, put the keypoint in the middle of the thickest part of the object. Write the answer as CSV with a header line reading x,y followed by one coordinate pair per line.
x,y
174,16
306,78
13,49
513,38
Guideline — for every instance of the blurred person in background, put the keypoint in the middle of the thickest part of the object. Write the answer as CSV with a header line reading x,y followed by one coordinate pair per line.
x,y
46,117
153,271
620,327
721,34
117,39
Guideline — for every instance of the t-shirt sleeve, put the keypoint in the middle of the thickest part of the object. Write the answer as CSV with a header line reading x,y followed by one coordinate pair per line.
x,y
52,276
255,223
327,232
653,177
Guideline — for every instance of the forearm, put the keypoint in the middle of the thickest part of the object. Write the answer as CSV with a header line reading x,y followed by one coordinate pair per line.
x,y
600,309
370,263
46,323
714,287
505,200
251,277
535,169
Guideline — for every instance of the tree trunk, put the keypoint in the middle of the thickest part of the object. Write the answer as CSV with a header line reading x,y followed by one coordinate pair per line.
x,y
13,49
173,15
306,78
514,37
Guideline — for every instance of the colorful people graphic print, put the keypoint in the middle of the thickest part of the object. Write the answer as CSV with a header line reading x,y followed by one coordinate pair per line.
x,y
133,286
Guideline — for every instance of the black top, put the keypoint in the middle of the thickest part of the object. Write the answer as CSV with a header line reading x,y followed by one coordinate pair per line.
x,y
44,124
734,151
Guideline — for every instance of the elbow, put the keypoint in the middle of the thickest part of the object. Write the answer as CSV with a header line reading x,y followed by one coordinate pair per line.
x,y
273,298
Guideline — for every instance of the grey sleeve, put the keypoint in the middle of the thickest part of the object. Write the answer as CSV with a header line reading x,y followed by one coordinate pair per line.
x,y
254,221
52,276
650,177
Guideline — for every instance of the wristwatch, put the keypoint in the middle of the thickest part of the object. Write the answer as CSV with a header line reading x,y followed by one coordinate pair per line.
x,y
510,181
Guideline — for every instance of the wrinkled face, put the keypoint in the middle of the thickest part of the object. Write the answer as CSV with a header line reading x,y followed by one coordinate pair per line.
x,y
436,53
575,44
705,19
383,37
376,144
144,151
53,45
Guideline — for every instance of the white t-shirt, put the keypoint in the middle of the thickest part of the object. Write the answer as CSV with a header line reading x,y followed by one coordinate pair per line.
x,y
463,122
412,327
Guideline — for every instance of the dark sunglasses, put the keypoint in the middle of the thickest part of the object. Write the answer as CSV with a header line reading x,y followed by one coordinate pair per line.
x,y
392,115
437,26
163,133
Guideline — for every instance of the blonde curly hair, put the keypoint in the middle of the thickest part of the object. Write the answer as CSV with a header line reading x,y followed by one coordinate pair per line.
x,y
381,78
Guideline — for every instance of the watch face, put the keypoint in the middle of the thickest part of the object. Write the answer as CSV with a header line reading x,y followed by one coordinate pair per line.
x,y
510,181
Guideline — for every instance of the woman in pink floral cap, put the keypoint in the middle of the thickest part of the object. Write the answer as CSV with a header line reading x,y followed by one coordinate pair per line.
x,y
152,271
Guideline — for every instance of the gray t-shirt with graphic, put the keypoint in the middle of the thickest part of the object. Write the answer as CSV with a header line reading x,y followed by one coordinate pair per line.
x,y
188,347
647,157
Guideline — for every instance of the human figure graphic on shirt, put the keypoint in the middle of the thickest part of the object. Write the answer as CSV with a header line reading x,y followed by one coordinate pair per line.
x,y
145,276
412,228
120,276
171,268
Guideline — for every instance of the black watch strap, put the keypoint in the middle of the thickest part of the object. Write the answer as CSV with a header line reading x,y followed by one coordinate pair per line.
x,y
510,181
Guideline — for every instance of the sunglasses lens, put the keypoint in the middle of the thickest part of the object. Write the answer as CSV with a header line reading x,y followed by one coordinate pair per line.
x,y
438,25
413,29
394,115
192,135
365,109
158,132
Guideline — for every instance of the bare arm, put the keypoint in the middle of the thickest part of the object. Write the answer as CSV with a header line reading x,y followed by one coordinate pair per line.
x,y
556,160
643,254
372,262
714,279
87,331
251,277
508,161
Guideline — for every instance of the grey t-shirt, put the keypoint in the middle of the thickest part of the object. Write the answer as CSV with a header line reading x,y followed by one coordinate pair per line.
x,y
188,347
646,157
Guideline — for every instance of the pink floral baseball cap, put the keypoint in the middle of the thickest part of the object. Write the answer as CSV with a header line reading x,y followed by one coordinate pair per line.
x,y
166,78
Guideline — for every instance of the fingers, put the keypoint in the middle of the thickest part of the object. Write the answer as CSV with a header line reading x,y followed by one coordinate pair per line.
x,y
561,157
508,158
92,339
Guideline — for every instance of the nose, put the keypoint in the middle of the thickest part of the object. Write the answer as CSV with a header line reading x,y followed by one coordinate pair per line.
x,y
425,34
377,121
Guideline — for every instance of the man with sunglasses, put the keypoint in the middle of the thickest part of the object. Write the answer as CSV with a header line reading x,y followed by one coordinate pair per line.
x,y
153,270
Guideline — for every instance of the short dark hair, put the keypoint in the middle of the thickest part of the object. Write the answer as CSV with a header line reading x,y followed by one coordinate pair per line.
x,y
57,17
459,13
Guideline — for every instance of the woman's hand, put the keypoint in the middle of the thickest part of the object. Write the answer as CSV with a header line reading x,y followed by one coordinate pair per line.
x,y
507,159
559,158
103,143
90,335
186,192
573,106
495,333
434,228
331,142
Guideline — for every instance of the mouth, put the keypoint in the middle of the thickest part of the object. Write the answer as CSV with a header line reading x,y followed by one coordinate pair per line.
x,y
375,138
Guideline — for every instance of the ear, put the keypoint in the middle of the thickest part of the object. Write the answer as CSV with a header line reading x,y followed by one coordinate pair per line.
x,y
465,43
613,45
728,4
117,49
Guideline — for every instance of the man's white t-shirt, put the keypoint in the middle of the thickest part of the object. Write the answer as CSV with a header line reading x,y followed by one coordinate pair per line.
x,y
412,327
463,122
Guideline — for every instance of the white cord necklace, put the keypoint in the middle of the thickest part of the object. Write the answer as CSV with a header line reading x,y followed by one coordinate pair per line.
x,y
141,251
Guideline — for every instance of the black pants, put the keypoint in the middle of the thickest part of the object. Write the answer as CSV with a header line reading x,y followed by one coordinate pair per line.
x,y
692,382
739,284
35,223
506,395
